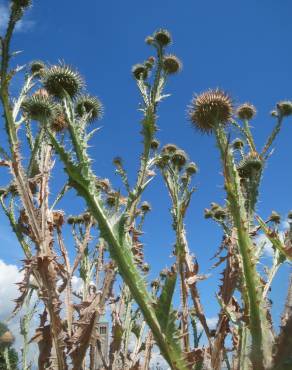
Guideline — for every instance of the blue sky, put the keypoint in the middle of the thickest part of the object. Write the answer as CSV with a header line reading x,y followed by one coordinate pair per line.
x,y
243,47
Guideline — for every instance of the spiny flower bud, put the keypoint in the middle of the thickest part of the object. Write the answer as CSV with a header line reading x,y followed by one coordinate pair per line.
x,y
250,164
154,144
191,168
163,160
209,109
37,67
275,217
289,216
111,200
163,273
220,214
274,113
22,3
171,64
38,107
117,161
71,220
145,267
185,179
214,206
149,40
284,108
237,144
103,184
140,71
150,62
208,213
179,158
162,37
145,207
60,78
169,148
89,105
246,111
155,284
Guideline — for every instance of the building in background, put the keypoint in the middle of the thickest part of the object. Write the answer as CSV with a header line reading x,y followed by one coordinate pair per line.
x,y
103,336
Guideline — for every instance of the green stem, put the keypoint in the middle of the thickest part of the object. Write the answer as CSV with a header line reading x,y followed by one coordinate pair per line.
x,y
252,282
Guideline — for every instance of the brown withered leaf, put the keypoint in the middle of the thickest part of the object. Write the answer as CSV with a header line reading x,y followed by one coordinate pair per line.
x,y
44,340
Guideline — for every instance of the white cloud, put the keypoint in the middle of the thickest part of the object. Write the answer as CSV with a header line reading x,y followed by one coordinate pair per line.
x,y
22,26
211,322
9,276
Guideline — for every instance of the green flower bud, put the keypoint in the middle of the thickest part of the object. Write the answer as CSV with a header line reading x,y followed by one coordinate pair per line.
x,y
61,78
90,106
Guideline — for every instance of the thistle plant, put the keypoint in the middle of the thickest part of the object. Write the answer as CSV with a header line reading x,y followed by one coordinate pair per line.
x,y
57,114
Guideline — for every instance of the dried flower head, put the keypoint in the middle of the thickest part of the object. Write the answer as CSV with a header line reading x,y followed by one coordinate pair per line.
x,y
37,67
284,108
246,111
41,92
140,71
61,78
171,64
58,218
162,37
38,107
90,106
179,158
209,109
59,121
191,168
7,338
